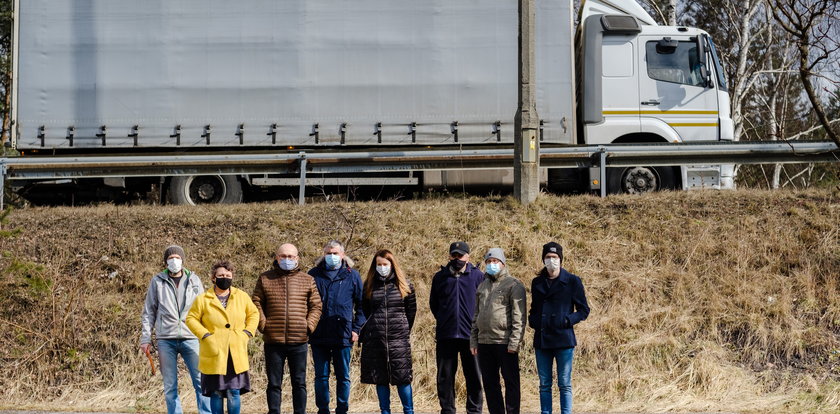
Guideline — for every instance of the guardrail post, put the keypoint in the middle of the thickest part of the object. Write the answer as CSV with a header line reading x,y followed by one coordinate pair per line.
x,y
2,185
302,192
603,166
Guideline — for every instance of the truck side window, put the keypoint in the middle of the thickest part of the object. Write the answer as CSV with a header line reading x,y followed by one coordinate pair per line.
x,y
680,65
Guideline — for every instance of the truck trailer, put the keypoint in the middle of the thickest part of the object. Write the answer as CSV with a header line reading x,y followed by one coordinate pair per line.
x,y
122,78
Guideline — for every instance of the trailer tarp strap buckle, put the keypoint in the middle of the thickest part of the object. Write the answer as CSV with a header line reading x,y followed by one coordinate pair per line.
x,y
135,133
103,133
177,134
206,134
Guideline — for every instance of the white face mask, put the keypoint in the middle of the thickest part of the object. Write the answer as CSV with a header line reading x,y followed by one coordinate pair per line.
x,y
383,270
174,265
552,263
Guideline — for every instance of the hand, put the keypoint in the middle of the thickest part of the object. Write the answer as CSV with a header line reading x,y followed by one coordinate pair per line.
x,y
354,337
474,351
512,351
145,348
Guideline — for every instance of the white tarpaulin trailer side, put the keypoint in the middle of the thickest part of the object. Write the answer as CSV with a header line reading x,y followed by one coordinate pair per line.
x,y
243,66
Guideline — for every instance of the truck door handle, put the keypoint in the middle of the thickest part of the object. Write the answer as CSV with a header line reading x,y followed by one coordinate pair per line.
x,y
651,102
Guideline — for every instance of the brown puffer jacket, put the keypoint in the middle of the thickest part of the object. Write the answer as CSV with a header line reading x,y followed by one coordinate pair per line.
x,y
289,305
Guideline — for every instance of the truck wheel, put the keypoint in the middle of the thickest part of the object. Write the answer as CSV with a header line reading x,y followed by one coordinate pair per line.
x,y
640,180
205,189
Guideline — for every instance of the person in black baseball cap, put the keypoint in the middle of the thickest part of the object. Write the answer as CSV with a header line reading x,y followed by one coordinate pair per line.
x,y
558,302
452,302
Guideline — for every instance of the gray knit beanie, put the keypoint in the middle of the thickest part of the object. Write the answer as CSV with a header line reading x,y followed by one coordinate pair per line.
x,y
495,253
174,249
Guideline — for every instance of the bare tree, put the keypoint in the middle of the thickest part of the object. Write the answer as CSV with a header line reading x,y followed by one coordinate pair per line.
x,y
672,12
813,26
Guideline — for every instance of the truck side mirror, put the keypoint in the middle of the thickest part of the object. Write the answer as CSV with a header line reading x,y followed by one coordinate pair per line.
x,y
700,40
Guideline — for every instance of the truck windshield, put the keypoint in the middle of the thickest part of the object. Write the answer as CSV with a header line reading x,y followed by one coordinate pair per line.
x,y
721,76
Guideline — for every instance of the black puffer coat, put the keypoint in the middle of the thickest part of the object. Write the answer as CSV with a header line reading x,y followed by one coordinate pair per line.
x,y
386,350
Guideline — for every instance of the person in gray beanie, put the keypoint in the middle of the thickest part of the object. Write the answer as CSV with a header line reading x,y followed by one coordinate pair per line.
x,y
497,332
168,300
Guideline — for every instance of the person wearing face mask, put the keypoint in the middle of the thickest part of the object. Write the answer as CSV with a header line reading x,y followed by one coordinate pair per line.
x,y
168,300
389,305
452,302
558,303
290,307
340,287
224,318
497,332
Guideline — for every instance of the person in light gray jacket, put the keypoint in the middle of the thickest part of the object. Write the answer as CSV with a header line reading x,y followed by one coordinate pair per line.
x,y
497,332
168,301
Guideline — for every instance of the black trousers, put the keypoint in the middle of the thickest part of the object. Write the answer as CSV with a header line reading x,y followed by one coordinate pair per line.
x,y
276,356
447,352
493,358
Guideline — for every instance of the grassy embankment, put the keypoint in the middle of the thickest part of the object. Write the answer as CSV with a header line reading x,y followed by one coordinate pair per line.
x,y
700,301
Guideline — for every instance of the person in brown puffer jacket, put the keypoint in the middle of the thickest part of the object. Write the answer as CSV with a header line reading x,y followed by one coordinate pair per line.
x,y
290,308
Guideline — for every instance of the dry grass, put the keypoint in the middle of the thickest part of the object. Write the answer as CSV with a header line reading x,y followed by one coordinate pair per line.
x,y
700,301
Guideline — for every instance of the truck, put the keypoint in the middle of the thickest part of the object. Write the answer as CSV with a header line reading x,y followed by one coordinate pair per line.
x,y
155,78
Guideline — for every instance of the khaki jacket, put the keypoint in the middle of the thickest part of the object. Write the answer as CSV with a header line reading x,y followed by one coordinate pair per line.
x,y
289,305
499,312
226,326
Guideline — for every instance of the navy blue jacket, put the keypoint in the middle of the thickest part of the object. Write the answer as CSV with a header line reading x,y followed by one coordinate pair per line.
x,y
452,301
341,312
556,310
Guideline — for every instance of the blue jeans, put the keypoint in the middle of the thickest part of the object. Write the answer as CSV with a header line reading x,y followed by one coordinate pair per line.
x,y
168,350
545,362
217,402
340,357
384,394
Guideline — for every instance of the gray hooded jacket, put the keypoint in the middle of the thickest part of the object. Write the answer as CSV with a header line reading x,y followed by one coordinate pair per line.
x,y
164,312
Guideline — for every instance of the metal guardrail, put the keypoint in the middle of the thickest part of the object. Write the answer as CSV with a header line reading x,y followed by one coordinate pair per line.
x,y
314,161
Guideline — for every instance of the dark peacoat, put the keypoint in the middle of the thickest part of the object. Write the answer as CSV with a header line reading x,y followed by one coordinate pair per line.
x,y
386,349
556,309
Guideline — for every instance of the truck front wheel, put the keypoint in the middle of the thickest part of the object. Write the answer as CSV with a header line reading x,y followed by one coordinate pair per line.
x,y
205,189
640,180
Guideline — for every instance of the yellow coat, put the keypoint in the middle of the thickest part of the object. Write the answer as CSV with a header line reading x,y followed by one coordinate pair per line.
x,y
227,326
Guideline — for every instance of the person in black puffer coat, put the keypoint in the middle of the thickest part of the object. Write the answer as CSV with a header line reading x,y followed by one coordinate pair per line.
x,y
389,305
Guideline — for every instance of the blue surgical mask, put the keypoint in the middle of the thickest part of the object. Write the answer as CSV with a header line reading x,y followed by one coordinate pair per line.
x,y
333,260
288,264
493,269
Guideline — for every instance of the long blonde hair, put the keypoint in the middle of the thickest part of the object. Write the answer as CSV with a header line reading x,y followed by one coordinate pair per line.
x,y
402,281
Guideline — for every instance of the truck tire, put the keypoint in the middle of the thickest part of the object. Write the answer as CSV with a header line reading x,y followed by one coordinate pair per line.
x,y
205,189
640,180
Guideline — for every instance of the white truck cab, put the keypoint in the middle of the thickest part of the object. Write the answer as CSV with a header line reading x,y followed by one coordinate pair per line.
x,y
641,82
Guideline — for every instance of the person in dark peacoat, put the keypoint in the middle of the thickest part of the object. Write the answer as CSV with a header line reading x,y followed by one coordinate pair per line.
x,y
390,305
558,303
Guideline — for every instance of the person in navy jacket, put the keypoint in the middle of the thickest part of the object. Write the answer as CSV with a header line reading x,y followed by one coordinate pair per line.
x,y
558,303
340,287
452,302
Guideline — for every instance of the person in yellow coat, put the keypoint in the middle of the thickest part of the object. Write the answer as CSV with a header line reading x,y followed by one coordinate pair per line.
x,y
223,319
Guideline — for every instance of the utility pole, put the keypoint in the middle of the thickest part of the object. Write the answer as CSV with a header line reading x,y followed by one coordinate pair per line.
x,y
526,155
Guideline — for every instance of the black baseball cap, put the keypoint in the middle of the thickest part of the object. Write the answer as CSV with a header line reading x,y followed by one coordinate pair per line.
x,y
459,247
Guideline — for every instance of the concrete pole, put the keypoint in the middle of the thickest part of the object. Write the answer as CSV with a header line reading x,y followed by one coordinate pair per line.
x,y
526,159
